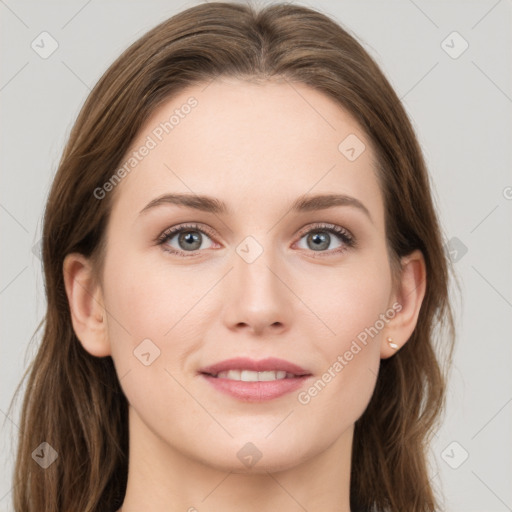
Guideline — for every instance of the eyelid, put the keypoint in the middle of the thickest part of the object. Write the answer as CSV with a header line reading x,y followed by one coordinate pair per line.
x,y
339,230
197,226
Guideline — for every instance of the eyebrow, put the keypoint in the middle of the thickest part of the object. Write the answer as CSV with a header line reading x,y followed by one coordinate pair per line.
x,y
213,205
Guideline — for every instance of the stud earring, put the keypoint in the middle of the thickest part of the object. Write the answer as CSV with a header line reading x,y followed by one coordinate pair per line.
x,y
391,343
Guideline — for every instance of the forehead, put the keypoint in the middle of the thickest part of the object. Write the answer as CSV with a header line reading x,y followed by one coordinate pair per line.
x,y
250,145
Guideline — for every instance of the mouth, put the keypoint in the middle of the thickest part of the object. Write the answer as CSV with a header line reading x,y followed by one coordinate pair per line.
x,y
255,381
252,376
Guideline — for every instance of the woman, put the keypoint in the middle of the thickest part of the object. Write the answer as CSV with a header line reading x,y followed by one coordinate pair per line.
x,y
245,278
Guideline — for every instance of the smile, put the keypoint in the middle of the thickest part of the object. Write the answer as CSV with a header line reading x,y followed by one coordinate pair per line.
x,y
251,376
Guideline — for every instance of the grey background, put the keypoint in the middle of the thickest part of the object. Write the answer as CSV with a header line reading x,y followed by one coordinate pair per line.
x,y
461,109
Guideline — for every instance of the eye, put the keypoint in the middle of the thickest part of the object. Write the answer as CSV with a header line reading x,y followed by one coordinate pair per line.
x,y
189,238
319,238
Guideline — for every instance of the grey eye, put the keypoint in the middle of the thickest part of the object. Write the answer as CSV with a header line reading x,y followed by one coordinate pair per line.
x,y
319,240
187,239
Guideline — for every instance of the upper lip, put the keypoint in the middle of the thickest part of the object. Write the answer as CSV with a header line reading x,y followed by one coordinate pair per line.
x,y
262,365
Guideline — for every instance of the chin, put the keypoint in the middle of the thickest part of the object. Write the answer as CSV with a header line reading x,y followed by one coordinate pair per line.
x,y
259,456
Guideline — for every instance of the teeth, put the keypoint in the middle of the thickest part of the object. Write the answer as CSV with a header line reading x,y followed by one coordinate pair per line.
x,y
250,376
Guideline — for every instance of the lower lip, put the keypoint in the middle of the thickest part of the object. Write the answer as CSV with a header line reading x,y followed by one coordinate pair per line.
x,y
260,391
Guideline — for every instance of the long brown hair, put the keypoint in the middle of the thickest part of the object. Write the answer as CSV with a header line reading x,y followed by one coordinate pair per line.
x,y
74,401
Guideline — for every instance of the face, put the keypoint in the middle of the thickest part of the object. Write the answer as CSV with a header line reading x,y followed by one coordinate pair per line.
x,y
269,274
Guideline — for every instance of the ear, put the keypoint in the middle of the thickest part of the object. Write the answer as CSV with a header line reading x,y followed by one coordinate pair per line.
x,y
409,295
85,299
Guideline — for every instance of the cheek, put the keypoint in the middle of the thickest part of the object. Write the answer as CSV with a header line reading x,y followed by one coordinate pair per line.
x,y
355,299
146,300
135,310
156,303
151,334
355,307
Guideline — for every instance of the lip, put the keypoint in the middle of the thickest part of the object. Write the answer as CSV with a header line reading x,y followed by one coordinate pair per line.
x,y
255,391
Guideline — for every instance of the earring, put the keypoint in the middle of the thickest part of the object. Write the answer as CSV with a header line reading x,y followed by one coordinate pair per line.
x,y
391,343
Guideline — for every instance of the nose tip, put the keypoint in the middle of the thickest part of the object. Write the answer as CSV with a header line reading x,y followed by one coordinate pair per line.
x,y
257,299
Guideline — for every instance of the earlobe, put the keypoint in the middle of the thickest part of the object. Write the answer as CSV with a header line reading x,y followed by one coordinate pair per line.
x,y
86,305
410,293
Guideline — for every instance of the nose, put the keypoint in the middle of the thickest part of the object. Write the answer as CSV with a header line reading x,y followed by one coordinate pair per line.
x,y
258,299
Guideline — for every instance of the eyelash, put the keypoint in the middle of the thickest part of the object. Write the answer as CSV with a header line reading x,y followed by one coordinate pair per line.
x,y
343,234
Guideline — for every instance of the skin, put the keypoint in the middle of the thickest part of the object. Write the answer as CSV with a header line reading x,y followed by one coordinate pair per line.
x,y
257,147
